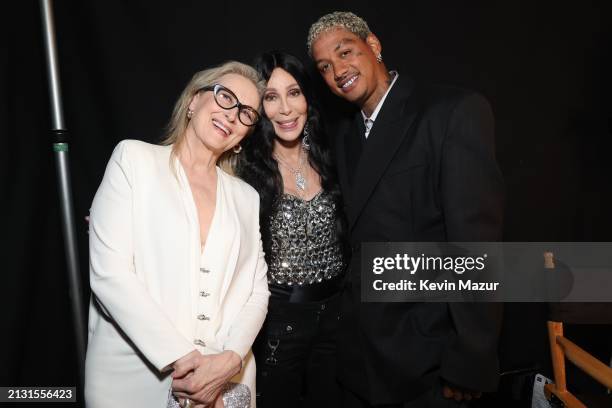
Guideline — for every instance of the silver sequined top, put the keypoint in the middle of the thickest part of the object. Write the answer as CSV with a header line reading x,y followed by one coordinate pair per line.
x,y
304,247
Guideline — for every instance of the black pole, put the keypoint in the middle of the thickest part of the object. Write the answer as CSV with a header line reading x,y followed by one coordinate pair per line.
x,y
60,149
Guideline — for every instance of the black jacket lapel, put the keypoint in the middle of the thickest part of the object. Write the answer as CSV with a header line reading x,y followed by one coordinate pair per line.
x,y
344,133
354,148
389,131
348,147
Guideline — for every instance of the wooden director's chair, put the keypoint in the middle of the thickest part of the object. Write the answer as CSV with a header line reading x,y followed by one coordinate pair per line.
x,y
562,348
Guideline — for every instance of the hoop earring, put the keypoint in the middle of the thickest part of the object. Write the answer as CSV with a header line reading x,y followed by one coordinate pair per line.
x,y
238,150
379,58
189,113
305,140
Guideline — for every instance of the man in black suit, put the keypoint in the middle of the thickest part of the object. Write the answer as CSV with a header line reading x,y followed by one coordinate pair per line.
x,y
416,164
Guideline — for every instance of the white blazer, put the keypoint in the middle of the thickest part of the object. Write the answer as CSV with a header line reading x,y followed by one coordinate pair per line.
x,y
146,277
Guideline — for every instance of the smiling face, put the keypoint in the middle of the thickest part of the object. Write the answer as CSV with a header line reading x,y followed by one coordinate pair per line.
x,y
285,105
216,128
349,67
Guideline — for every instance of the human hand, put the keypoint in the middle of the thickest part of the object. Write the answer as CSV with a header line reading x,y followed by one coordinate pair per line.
x,y
459,393
219,402
185,403
201,377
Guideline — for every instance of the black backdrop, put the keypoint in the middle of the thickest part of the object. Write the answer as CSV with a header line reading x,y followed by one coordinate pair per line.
x,y
544,67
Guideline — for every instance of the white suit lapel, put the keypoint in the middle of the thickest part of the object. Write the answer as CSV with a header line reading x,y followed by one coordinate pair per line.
x,y
223,244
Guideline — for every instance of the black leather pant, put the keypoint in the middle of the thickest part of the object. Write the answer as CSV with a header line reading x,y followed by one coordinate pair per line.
x,y
295,353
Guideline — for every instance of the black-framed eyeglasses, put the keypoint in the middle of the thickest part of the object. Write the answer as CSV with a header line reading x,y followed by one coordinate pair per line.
x,y
226,99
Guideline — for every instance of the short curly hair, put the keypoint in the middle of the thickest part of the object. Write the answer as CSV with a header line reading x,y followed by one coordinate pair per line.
x,y
337,19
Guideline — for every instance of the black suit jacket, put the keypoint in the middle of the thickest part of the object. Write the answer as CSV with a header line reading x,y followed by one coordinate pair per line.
x,y
426,173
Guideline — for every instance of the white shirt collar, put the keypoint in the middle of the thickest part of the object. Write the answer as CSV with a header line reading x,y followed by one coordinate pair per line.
x,y
369,122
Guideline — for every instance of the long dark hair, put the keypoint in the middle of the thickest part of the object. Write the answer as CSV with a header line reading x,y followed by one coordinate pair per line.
x,y
256,164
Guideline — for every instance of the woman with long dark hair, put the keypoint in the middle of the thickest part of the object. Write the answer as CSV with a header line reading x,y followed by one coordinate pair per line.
x,y
289,164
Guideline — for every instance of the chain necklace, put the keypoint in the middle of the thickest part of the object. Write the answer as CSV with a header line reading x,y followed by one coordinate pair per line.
x,y
298,173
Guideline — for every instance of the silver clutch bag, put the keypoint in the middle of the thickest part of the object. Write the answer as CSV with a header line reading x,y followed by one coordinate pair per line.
x,y
235,395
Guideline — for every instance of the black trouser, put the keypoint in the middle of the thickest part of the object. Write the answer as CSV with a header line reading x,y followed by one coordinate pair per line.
x,y
430,399
295,353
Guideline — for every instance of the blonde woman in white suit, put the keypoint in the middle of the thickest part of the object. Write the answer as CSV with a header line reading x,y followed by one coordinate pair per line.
x,y
178,277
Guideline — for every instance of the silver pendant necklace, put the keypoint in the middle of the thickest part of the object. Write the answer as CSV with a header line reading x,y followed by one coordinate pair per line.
x,y
300,184
300,178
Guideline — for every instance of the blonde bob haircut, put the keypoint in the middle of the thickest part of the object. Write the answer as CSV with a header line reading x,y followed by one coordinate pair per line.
x,y
177,127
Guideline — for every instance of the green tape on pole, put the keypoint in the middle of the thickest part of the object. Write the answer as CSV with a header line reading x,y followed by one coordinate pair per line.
x,y
60,147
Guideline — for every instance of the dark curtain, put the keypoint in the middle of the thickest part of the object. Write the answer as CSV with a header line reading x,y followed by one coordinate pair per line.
x,y
544,67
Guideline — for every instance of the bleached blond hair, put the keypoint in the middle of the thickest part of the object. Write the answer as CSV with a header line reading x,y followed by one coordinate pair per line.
x,y
337,19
